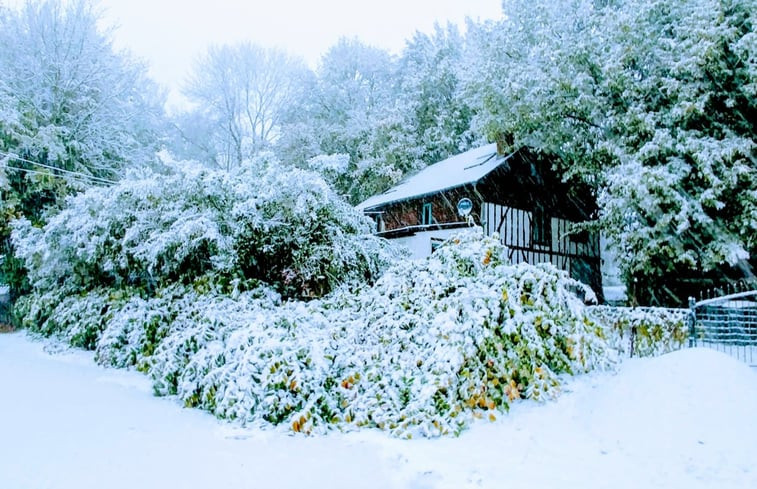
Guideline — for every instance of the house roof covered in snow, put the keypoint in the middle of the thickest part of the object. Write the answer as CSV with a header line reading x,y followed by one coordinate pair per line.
x,y
458,170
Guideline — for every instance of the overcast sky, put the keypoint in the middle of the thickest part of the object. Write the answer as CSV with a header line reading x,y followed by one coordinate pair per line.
x,y
170,34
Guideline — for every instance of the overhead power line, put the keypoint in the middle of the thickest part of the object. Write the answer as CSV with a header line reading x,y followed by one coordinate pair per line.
x,y
65,177
71,173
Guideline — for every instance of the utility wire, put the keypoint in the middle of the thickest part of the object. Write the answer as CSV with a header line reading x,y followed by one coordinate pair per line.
x,y
65,177
62,170
79,175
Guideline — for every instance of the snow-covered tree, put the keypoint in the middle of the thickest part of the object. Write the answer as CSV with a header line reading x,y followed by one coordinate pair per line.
x,y
653,103
686,130
347,104
390,115
69,99
73,111
241,93
433,103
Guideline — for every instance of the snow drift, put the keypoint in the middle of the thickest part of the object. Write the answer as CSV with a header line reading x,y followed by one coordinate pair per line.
x,y
680,420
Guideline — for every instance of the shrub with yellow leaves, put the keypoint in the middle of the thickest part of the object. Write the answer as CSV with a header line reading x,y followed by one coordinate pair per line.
x,y
431,346
642,331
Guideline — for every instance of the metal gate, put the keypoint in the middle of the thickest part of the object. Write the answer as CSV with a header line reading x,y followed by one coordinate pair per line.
x,y
727,324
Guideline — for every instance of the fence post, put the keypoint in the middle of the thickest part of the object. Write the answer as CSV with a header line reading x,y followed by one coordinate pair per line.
x,y
633,340
692,321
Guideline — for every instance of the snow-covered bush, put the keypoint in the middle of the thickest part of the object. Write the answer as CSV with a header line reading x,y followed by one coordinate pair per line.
x,y
79,319
432,345
4,303
256,223
642,331
177,312
428,347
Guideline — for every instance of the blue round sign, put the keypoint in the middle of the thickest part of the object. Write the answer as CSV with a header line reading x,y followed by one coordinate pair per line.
x,y
464,207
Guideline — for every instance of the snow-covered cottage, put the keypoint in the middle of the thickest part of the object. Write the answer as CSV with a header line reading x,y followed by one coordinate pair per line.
x,y
516,195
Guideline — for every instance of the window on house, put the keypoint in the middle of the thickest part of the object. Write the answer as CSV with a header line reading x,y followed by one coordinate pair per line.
x,y
426,217
541,228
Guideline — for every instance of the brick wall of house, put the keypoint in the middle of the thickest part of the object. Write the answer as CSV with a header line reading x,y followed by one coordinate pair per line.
x,y
443,210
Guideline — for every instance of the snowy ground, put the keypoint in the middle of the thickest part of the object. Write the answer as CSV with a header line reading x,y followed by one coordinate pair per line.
x,y
684,420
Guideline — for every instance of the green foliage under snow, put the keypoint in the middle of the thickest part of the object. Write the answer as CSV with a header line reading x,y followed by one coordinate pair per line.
x,y
255,224
73,112
642,331
431,346
653,103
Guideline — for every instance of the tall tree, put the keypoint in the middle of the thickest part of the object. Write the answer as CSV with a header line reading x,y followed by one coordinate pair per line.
x,y
241,93
68,98
73,111
349,103
652,102
434,105
389,116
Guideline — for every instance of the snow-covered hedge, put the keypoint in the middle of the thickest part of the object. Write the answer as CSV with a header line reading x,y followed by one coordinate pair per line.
x,y
257,223
642,331
79,319
190,277
431,346
195,278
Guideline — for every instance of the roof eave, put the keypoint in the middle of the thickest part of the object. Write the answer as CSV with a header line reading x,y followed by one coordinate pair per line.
x,y
373,208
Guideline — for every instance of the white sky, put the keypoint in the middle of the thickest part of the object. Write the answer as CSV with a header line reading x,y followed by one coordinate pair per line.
x,y
171,34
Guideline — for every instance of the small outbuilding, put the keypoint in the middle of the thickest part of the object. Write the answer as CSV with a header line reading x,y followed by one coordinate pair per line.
x,y
516,195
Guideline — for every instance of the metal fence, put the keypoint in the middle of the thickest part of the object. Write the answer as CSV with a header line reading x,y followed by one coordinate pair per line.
x,y
727,323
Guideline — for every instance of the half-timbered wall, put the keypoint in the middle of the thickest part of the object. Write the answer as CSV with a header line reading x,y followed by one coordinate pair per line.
x,y
577,254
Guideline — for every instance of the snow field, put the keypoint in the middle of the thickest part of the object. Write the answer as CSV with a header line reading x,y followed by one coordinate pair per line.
x,y
680,420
